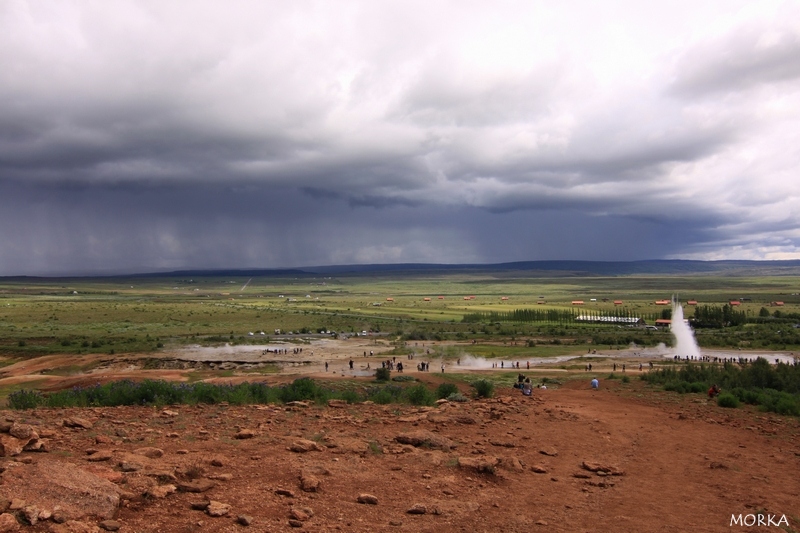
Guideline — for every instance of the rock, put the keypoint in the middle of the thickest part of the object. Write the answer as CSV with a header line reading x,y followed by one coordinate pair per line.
x,y
8,523
150,452
44,514
309,482
502,443
368,498
168,413
298,514
59,517
598,467
76,422
482,464
295,523
36,445
199,506
511,463
221,477
539,469
304,445
245,434
417,508
541,523
199,485
23,432
48,484
244,520
425,438
103,439
395,523
285,492
465,419
581,475
31,514
160,491
551,452
217,508
10,446
337,403
100,455
110,525
5,503
218,460
16,504
74,526
130,466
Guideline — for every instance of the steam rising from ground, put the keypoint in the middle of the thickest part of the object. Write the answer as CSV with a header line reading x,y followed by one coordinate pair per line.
x,y
685,343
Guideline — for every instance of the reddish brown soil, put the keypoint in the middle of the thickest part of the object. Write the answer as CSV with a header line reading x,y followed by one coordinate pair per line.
x,y
687,465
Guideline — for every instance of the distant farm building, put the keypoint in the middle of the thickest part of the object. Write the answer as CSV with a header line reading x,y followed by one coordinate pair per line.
x,y
540,302
440,297
504,297
629,320
617,302
577,302
663,322
691,302
776,304
389,299
663,302
426,299
735,302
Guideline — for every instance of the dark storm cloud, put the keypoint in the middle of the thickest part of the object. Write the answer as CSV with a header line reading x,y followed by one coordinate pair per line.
x,y
145,135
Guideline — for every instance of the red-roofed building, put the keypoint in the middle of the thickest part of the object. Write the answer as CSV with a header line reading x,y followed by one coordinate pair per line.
x,y
663,302
777,304
577,302
617,302
735,302
691,302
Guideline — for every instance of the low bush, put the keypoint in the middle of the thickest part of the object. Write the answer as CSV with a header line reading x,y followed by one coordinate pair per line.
x,y
728,400
383,374
446,389
419,395
483,388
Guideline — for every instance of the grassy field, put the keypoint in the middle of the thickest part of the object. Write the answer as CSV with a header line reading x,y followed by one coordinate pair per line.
x,y
115,315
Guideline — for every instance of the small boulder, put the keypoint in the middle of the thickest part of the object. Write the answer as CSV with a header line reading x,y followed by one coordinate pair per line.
x,y
425,438
10,446
150,452
309,482
77,422
217,508
8,523
368,498
23,432
304,445
245,434
417,508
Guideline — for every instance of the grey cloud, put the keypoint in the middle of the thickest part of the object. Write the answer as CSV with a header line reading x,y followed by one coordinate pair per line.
x,y
743,60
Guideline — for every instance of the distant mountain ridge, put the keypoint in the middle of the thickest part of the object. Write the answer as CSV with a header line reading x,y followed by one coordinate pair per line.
x,y
577,268
534,268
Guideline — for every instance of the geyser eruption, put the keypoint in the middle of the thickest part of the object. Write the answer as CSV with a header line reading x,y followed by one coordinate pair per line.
x,y
685,344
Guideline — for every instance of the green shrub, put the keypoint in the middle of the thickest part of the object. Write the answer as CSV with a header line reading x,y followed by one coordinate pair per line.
x,y
483,388
382,374
446,389
457,397
727,400
350,396
382,397
419,395
404,378
25,399
626,379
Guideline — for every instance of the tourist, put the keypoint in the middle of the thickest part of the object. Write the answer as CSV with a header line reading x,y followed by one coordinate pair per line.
x,y
595,383
527,388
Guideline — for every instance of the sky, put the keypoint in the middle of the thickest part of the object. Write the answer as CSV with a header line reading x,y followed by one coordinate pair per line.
x,y
140,136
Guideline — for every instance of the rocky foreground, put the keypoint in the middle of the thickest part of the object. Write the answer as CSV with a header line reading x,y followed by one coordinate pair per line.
x,y
566,460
